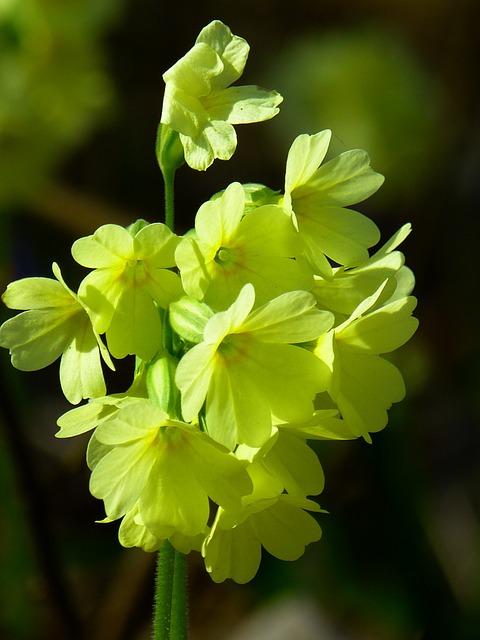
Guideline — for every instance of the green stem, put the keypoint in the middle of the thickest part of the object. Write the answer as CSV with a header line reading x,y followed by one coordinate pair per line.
x,y
171,611
170,621
179,618
168,180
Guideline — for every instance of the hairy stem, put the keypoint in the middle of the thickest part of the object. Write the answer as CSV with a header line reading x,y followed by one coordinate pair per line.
x,y
170,620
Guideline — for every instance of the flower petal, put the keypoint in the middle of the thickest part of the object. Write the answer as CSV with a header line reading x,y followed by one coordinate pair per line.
x,y
229,321
285,529
345,180
367,386
135,327
193,376
194,71
156,245
199,154
120,476
342,234
289,318
216,222
237,410
173,497
182,112
110,245
296,465
382,330
222,139
305,156
232,553
81,374
36,293
37,338
222,476
232,50
242,105
133,534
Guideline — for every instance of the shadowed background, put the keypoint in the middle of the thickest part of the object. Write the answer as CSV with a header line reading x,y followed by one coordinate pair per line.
x,y
80,100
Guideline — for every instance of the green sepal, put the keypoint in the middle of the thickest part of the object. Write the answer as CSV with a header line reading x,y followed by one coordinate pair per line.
x,y
258,195
161,387
169,149
137,226
188,318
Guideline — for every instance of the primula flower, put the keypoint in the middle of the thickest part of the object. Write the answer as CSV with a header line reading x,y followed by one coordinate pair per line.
x,y
363,384
317,197
199,102
229,249
167,468
54,324
249,369
267,518
130,281
349,287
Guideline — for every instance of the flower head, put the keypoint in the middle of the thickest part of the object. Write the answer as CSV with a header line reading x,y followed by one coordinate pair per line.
x,y
130,281
199,102
262,328
54,324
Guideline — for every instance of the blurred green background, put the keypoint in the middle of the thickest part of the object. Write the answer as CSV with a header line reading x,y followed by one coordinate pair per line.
x,y
80,99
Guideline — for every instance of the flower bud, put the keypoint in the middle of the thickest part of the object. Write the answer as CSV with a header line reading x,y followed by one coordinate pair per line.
x,y
161,387
188,318
169,149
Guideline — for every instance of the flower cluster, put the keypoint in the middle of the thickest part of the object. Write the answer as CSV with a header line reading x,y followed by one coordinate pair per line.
x,y
260,330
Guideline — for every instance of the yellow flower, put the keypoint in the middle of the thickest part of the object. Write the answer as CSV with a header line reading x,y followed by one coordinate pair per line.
x,y
200,104
318,196
249,367
228,250
267,518
130,281
54,324
362,383
349,287
165,468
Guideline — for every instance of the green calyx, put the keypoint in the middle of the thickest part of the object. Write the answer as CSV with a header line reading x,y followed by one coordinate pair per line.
x,y
188,318
169,149
161,387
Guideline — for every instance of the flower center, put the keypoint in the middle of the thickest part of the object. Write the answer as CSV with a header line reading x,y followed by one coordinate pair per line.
x,y
223,255
235,347
170,435
134,273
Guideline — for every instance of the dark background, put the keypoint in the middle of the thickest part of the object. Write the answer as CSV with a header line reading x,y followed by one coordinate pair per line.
x,y
80,100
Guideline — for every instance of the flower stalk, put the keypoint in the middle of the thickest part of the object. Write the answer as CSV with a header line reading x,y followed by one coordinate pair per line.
x,y
170,617
170,157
